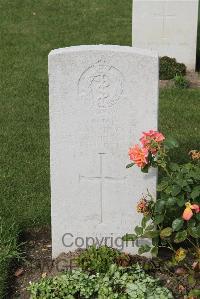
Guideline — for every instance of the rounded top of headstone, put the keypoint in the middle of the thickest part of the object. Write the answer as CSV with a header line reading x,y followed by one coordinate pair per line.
x,y
113,48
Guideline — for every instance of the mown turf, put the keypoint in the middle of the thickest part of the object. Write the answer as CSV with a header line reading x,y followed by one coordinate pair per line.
x,y
179,116
9,250
29,30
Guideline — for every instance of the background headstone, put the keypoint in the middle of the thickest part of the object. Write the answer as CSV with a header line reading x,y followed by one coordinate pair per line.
x,y
101,99
167,26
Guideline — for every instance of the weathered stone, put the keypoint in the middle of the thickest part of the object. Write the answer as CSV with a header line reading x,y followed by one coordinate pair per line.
x,y
101,99
167,26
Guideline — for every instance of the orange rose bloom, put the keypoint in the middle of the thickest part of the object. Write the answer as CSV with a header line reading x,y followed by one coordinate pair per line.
x,y
188,212
138,155
149,137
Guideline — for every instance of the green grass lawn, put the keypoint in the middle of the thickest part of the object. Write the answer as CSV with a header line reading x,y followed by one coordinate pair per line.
x,y
179,116
29,30
198,41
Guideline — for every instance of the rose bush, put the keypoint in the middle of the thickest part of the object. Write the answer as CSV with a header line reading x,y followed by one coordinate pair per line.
x,y
174,217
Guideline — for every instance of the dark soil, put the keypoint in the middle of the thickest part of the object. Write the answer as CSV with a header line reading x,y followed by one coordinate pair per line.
x,y
38,264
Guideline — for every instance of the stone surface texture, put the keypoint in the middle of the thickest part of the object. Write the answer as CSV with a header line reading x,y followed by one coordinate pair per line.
x,y
101,98
167,26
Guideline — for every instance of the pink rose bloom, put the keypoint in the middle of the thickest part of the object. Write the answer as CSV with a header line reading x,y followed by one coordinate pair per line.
x,y
138,155
150,136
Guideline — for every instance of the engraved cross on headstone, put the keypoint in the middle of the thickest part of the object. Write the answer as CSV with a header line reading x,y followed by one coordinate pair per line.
x,y
164,16
101,178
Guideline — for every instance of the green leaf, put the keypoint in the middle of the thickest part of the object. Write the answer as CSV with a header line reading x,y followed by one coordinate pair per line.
x,y
191,223
144,248
159,206
171,201
170,143
150,157
194,231
151,234
154,251
145,169
181,200
195,192
145,219
164,196
162,186
158,219
177,224
168,190
181,182
166,232
187,188
129,165
194,293
180,236
198,216
197,201
176,190
174,166
139,230
191,280
155,241
150,227
190,181
129,237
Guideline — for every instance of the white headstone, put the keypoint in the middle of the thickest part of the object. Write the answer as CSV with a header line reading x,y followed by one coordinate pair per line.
x,y
167,26
101,99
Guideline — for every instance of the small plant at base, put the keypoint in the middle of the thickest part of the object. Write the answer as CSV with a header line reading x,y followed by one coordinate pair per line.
x,y
118,282
169,68
181,82
99,259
